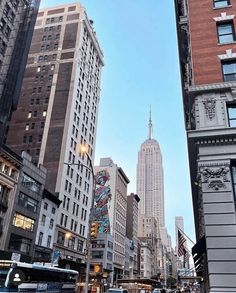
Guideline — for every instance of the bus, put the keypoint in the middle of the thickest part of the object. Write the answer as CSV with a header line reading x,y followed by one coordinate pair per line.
x,y
24,277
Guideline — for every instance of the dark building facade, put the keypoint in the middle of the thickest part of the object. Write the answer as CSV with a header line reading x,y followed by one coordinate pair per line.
x,y
207,52
132,229
21,191
17,19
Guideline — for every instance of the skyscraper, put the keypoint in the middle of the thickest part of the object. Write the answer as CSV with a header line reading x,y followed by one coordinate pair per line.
x,y
207,51
150,179
17,19
58,111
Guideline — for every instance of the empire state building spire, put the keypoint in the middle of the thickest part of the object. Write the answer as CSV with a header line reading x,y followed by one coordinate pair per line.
x,y
150,124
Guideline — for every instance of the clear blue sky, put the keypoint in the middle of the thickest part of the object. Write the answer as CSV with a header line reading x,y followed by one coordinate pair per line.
x,y
138,38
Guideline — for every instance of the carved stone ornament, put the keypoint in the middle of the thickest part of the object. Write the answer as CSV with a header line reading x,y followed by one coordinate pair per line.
x,y
210,108
216,185
215,177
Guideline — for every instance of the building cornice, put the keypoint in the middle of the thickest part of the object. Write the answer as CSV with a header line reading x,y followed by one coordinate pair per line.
x,y
212,87
214,137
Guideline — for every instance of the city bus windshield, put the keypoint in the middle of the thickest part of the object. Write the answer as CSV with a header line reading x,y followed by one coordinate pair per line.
x,y
4,269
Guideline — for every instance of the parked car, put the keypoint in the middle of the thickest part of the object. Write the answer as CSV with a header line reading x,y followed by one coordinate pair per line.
x,y
117,290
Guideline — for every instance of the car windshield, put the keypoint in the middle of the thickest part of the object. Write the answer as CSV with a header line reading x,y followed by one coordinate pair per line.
x,y
114,291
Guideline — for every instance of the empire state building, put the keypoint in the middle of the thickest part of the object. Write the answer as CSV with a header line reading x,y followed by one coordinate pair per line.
x,y
150,179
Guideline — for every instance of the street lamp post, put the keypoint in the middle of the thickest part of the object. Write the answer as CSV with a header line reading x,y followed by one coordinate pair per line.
x,y
89,166
91,217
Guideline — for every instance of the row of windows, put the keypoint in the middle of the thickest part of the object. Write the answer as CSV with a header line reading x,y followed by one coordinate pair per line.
x,y
8,170
45,206
47,58
52,28
8,12
43,221
4,194
54,19
71,241
35,114
32,126
68,188
38,101
29,139
40,239
49,47
20,243
4,28
23,222
50,37
28,203
30,183
39,89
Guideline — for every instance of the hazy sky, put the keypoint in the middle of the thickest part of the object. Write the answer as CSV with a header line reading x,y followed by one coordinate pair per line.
x,y
138,39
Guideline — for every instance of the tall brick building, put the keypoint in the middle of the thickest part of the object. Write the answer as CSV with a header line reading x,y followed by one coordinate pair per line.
x,y
57,111
207,50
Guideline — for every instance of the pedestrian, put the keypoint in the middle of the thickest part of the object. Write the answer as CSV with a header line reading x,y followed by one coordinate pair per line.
x,y
142,290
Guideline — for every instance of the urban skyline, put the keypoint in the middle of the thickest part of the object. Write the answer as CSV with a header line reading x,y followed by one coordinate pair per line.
x,y
57,206
121,140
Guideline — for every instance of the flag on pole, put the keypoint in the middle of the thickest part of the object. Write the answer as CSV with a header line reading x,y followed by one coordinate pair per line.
x,y
181,242
186,256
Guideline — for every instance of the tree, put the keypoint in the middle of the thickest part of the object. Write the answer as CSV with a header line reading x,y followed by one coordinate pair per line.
x,y
171,281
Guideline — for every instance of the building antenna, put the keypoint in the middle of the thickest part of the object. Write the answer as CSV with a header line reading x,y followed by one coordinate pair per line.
x,y
150,128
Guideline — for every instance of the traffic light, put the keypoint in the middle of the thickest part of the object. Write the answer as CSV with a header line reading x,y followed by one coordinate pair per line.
x,y
94,230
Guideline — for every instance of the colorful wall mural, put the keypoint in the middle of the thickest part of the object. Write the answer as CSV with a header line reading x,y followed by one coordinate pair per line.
x,y
102,197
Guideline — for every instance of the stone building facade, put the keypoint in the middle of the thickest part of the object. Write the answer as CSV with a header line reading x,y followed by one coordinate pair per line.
x,y
207,53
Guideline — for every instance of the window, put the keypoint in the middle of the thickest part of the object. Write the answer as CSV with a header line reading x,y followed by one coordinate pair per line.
x,y
80,245
221,3
61,238
2,24
7,32
6,10
232,116
40,238
51,224
43,220
229,70
45,206
225,32
49,240
71,242
19,243
53,210
23,222
27,202
62,219
30,183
